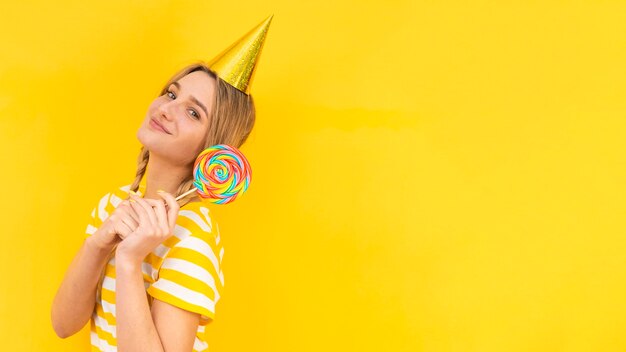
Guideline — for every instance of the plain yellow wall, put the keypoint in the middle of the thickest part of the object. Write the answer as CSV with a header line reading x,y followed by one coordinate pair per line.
x,y
427,175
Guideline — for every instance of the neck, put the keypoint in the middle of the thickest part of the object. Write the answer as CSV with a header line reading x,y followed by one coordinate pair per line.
x,y
162,175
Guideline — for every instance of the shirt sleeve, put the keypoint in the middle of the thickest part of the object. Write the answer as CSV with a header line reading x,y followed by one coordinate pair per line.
x,y
190,276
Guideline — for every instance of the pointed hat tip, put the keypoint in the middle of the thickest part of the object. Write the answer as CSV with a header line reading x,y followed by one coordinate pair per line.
x,y
236,65
266,22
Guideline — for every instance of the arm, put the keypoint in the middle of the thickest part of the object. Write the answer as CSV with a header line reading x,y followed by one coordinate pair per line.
x,y
165,328
76,297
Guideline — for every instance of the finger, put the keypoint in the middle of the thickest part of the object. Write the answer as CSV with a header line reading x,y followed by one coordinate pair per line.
x,y
172,212
122,230
141,211
128,220
161,213
125,207
153,202
149,209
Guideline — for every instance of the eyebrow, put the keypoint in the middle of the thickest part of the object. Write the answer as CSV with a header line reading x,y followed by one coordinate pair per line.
x,y
196,101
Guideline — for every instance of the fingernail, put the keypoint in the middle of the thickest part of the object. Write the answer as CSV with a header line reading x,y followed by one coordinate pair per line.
x,y
160,191
133,201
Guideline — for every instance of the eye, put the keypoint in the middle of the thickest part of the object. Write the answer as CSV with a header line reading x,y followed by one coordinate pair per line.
x,y
195,113
170,92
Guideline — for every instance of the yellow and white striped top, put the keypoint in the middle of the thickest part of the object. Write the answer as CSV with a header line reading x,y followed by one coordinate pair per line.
x,y
185,270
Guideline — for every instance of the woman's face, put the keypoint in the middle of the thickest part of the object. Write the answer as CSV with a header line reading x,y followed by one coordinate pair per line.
x,y
183,113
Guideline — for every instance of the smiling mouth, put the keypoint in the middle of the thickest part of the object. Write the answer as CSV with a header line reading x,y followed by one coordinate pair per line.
x,y
158,126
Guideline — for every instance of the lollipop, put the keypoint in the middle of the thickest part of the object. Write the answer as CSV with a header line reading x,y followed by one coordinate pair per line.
x,y
221,174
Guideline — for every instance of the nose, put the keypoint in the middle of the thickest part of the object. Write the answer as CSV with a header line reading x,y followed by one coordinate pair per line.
x,y
166,110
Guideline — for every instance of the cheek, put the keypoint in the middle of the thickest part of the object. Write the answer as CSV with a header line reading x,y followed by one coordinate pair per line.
x,y
194,133
197,138
189,142
151,112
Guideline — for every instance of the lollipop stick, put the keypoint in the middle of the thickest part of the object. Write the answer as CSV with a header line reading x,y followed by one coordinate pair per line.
x,y
186,193
183,195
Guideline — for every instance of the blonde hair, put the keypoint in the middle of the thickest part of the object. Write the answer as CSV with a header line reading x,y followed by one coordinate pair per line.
x,y
230,122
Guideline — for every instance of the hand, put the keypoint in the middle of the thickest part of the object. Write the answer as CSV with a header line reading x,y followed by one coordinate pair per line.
x,y
156,224
121,223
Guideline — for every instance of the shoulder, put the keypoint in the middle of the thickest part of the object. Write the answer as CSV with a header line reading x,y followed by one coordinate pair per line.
x,y
199,238
196,221
197,217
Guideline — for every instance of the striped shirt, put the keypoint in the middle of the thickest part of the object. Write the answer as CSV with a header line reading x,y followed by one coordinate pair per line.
x,y
184,271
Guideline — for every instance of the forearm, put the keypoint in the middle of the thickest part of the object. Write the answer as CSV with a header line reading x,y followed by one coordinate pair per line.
x,y
75,299
135,328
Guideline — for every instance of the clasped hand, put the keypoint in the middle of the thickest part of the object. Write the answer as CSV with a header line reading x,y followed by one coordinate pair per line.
x,y
154,222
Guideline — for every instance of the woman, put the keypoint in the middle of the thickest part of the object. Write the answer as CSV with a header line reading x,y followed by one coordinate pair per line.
x,y
149,271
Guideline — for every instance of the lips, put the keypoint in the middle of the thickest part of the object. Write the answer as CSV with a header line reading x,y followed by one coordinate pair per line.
x,y
157,125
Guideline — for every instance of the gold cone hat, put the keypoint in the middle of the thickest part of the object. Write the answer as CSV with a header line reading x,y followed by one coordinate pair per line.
x,y
237,63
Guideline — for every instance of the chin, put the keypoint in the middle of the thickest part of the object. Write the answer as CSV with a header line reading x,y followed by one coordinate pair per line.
x,y
148,139
141,136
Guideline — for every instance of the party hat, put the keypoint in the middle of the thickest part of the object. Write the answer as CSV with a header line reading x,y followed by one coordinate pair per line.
x,y
236,64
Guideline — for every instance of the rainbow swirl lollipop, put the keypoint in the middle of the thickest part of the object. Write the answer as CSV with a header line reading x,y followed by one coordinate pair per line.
x,y
221,174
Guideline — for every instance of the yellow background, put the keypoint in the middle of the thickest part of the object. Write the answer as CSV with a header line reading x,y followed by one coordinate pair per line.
x,y
427,175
